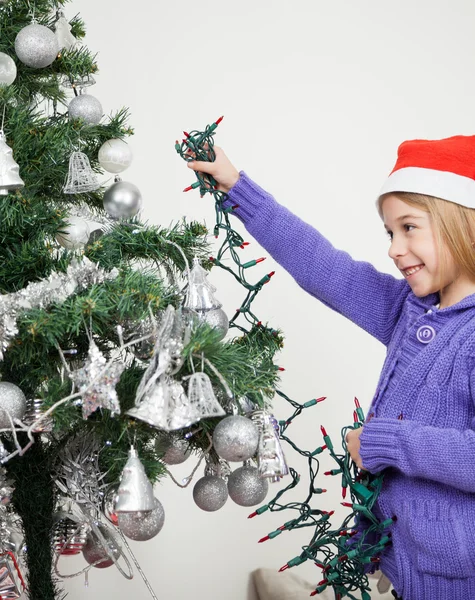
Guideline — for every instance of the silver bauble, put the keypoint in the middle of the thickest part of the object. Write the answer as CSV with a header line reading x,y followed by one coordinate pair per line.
x,y
87,108
36,46
177,452
69,536
142,526
94,550
7,69
115,156
75,235
210,493
245,486
217,319
122,200
12,401
236,438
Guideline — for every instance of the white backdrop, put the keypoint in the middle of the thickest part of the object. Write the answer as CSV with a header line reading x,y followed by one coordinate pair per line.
x,y
316,97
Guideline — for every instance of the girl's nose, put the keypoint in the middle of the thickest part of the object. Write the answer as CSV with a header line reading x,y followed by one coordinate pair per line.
x,y
396,249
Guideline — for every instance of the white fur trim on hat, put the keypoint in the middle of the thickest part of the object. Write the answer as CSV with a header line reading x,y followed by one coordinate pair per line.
x,y
441,184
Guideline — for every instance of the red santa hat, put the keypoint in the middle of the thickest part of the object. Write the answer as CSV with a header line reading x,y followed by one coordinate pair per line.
x,y
441,168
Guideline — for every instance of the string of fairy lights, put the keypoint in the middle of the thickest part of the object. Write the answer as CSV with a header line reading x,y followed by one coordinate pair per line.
x,y
347,553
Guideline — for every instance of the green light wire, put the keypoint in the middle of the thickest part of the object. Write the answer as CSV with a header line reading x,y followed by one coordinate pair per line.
x,y
346,553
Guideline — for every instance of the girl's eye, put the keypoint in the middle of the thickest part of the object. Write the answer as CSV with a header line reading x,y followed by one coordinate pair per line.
x,y
389,234
408,227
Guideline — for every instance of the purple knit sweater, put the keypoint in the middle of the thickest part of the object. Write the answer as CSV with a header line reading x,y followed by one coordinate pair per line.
x,y
421,424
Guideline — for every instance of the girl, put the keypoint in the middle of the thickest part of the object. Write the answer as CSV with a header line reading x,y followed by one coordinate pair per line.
x,y
421,424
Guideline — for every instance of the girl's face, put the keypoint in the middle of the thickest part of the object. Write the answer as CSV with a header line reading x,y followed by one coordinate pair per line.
x,y
415,253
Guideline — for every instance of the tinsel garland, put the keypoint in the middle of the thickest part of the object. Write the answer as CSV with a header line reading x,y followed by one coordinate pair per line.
x,y
345,553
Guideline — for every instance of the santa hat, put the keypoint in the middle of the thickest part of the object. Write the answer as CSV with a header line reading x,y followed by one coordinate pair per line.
x,y
441,168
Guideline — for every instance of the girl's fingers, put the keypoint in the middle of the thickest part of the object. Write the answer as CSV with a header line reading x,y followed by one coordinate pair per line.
x,y
202,166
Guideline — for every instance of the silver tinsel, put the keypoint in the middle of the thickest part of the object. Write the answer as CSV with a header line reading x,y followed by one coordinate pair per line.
x,y
210,493
87,108
235,438
246,488
102,393
142,526
10,584
36,46
78,476
80,275
13,402
135,492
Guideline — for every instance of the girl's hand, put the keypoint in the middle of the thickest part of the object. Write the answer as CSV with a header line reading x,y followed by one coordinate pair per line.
x,y
353,446
221,169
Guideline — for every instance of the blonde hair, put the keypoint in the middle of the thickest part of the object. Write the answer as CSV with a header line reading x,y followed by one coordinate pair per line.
x,y
453,225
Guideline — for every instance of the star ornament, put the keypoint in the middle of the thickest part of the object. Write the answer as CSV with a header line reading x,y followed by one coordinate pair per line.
x,y
102,393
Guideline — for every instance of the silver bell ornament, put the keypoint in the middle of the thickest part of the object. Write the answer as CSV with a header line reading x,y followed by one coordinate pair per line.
x,y
8,69
142,526
36,46
81,177
236,438
246,488
10,179
122,200
135,492
75,235
201,304
85,107
115,156
62,29
271,461
98,555
13,402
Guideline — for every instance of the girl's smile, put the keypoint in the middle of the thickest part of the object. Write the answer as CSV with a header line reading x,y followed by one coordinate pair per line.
x,y
415,253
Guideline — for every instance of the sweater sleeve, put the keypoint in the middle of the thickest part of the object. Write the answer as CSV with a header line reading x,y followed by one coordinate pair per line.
x,y
443,455
355,289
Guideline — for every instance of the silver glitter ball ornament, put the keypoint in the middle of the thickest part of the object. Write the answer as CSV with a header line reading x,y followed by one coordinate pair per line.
x,y
36,46
85,107
122,200
177,452
236,438
7,69
94,551
142,526
12,401
115,156
75,235
210,493
245,486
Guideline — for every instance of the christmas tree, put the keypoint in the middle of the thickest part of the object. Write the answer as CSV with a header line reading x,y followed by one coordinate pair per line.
x,y
111,339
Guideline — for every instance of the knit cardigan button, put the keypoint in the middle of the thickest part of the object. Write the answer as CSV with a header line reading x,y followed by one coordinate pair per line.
x,y
425,334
